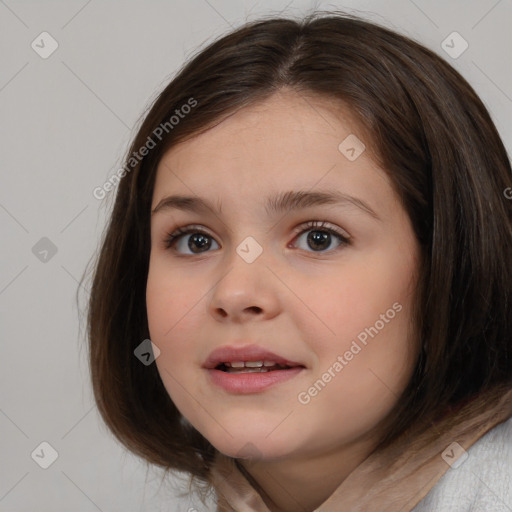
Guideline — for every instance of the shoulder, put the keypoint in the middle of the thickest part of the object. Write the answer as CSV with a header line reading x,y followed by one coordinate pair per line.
x,y
483,480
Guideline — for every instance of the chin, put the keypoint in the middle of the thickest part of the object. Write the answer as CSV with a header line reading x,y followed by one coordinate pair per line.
x,y
247,433
253,447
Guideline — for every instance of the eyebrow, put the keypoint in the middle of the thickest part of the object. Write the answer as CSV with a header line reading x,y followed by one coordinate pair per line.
x,y
282,202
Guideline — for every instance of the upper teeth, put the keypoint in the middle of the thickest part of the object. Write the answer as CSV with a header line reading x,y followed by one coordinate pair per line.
x,y
250,364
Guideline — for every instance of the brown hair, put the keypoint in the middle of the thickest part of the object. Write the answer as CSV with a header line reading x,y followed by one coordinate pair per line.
x,y
424,124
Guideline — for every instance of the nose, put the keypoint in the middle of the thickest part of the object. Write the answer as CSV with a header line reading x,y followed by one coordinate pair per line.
x,y
245,291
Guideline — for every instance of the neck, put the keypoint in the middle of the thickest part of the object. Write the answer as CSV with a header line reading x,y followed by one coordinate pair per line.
x,y
303,483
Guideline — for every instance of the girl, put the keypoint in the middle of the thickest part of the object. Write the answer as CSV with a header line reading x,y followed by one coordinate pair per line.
x,y
314,229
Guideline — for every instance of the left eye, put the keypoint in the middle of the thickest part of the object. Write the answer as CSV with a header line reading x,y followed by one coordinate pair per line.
x,y
319,238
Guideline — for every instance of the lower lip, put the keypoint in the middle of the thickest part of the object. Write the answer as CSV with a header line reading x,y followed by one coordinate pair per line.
x,y
251,382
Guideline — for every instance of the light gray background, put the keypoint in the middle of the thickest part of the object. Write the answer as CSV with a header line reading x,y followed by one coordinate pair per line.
x,y
65,123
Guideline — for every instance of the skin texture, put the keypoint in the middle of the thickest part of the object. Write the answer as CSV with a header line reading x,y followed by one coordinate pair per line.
x,y
304,304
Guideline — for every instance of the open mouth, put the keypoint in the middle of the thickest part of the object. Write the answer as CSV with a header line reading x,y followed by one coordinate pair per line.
x,y
251,367
245,377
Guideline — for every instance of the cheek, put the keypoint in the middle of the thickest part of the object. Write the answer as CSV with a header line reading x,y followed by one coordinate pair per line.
x,y
173,305
172,310
368,313
160,299
377,356
354,299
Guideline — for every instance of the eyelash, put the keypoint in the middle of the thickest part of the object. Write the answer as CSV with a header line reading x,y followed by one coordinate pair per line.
x,y
309,226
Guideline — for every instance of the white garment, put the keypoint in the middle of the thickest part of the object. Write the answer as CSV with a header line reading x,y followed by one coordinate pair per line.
x,y
482,483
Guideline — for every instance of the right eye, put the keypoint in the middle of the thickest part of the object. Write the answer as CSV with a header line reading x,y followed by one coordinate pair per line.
x,y
201,240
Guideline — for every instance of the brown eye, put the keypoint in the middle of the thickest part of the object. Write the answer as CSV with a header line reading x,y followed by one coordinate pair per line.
x,y
197,243
193,240
320,238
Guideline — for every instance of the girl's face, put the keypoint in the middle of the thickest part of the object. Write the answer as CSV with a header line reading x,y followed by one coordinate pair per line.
x,y
257,271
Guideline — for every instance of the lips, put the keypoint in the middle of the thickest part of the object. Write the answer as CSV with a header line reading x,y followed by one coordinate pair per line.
x,y
229,357
250,369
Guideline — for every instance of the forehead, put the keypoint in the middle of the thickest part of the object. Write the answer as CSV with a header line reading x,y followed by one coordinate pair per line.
x,y
297,119
287,141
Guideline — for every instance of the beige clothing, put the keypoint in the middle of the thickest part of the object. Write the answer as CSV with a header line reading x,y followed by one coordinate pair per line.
x,y
395,480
